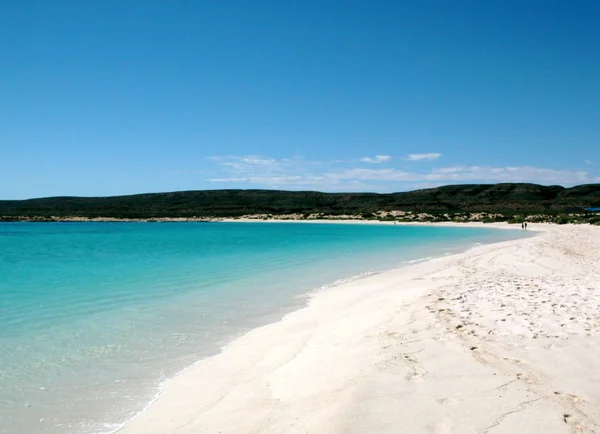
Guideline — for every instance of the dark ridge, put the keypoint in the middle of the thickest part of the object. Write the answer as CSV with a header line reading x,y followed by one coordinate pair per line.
x,y
495,198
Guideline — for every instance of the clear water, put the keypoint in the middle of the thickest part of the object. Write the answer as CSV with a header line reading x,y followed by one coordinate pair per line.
x,y
94,316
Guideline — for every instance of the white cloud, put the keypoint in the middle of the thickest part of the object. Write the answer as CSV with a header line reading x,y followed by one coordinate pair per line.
x,y
448,170
470,174
590,162
259,161
428,156
371,175
292,180
376,159
517,174
228,179
269,172
297,172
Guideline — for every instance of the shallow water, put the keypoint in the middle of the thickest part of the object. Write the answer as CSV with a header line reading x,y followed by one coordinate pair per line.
x,y
94,316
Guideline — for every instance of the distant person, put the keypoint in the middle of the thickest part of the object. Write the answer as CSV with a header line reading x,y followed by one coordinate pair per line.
x,y
522,225
525,225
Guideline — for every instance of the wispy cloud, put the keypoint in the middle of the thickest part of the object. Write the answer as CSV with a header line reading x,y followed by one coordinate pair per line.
x,y
590,162
376,159
428,156
269,172
298,173
469,174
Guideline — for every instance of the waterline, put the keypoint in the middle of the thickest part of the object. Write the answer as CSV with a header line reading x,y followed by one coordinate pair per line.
x,y
95,316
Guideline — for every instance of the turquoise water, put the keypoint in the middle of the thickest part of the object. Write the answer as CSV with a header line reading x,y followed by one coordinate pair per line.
x,y
94,316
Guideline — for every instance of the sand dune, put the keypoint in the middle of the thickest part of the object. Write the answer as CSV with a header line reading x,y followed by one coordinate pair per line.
x,y
502,339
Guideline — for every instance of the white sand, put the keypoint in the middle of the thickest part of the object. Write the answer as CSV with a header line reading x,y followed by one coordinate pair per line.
x,y
502,339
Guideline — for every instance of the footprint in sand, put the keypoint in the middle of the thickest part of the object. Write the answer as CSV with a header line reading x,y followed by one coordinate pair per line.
x,y
515,361
449,401
416,375
525,378
574,422
573,398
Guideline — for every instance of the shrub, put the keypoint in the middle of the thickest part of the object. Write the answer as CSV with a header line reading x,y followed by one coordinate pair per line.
x,y
594,220
563,220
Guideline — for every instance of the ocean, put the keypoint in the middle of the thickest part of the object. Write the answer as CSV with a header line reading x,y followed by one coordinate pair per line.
x,y
95,316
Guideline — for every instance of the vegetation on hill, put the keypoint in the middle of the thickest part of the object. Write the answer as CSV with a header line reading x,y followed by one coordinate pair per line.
x,y
510,200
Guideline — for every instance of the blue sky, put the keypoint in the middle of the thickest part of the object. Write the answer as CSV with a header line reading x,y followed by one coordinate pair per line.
x,y
116,97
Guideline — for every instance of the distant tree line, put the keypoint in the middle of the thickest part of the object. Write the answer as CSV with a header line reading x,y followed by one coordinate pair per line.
x,y
505,199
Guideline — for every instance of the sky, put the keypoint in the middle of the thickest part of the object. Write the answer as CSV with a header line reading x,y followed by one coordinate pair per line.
x,y
110,97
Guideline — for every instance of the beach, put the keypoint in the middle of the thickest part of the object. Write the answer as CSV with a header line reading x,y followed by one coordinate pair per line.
x,y
97,316
503,338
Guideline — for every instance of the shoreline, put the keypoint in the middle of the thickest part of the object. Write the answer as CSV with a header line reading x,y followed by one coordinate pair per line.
x,y
538,227
415,219
308,296
172,412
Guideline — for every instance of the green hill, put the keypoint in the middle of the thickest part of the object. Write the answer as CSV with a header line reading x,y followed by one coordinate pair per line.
x,y
501,198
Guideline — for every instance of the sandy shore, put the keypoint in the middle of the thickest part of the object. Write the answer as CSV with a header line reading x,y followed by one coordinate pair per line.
x,y
502,339
498,225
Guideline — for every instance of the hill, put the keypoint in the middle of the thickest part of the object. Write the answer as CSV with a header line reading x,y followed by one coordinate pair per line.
x,y
508,199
